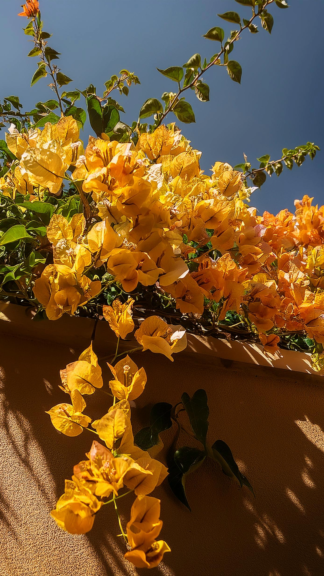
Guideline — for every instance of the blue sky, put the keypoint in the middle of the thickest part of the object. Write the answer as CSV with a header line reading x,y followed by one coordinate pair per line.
x,y
279,103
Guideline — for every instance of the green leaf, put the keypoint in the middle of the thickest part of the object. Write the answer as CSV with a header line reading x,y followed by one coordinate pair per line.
x,y
45,35
189,76
215,34
40,73
72,96
193,62
282,4
234,70
160,420
259,179
198,412
174,73
186,460
143,439
264,159
34,226
51,117
252,27
29,30
223,455
184,112
267,21
202,91
44,209
51,104
15,233
13,274
289,163
51,54
34,52
151,106
78,114
278,168
62,80
14,100
95,114
120,133
110,118
231,17
4,148
245,2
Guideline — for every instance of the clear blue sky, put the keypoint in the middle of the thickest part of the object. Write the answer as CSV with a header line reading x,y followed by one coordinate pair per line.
x,y
278,105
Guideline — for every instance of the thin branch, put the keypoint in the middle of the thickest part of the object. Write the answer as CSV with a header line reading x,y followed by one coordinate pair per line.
x,y
214,61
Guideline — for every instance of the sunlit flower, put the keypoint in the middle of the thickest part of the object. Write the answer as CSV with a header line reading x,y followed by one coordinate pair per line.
x,y
30,9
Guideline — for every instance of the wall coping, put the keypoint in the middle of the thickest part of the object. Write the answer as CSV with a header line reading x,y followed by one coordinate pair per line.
x,y
76,332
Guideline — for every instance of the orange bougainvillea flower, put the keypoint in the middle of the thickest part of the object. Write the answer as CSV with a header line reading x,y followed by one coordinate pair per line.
x,y
30,9
187,294
156,335
119,317
270,343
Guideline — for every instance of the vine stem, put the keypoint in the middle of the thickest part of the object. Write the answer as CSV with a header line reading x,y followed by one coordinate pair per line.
x,y
122,353
47,62
212,63
117,497
272,163
119,519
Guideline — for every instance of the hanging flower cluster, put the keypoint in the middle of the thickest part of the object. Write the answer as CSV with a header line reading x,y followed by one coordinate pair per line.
x,y
108,470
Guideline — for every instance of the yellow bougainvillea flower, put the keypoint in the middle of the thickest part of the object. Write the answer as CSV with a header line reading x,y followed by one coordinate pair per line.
x,y
84,375
229,183
75,510
134,196
188,296
60,228
140,481
142,530
185,165
129,382
130,268
156,335
144,525
119,317
113,425
103,238
66,238
162,142
67,418
60,290
46,167
150,558
104,474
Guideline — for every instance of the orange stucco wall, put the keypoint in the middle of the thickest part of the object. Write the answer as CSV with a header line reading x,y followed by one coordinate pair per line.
x,y
272,419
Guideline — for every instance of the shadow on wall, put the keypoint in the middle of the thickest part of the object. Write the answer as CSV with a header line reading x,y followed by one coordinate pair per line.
x,y
273,421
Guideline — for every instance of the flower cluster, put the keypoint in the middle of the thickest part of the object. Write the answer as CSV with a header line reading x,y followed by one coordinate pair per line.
x,y
119,464
154,220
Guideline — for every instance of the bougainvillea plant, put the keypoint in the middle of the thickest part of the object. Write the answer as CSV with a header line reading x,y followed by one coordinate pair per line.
x,y
129,230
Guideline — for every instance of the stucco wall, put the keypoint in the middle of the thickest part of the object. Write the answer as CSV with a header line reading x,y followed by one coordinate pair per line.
x,y
272,419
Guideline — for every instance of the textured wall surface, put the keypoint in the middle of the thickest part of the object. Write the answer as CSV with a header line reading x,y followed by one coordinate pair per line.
x,y
272,419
